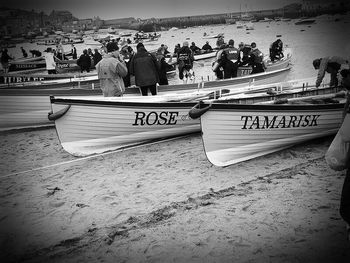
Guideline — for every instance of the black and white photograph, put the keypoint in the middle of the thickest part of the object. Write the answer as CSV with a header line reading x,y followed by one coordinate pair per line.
x,y
176,131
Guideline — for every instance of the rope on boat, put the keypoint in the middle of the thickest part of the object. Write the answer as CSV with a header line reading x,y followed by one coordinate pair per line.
x,y
54,116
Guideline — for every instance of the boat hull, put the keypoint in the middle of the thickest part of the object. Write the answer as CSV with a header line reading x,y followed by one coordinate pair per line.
x,y
17,104
91,127
233,133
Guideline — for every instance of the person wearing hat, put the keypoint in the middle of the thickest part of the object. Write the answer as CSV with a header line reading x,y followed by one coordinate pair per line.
x,y
194,48
207,47
144,67
332,65
185,60
110,70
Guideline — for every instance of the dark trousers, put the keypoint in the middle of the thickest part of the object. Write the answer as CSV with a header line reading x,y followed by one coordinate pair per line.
x,y
345,198
151,88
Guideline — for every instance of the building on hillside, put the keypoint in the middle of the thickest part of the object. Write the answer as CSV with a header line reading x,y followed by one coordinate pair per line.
x,y
324,6
119,22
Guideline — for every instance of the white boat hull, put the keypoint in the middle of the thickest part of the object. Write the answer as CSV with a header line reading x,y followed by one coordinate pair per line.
x,y
24,107
234,133
91,127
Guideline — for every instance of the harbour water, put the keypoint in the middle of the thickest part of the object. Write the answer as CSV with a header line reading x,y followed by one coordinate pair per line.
x,y
328,36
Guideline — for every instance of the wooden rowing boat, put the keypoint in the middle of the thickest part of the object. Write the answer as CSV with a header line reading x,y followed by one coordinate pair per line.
x,y
26,106
233,133
94,125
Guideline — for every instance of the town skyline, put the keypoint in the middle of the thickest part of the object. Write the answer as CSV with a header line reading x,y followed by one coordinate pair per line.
x,y
112,9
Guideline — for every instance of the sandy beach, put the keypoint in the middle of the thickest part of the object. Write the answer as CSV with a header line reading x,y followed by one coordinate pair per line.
x,y
164,202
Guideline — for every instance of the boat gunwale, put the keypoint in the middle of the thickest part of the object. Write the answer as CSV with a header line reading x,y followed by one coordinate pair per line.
x,y
272,107
103,103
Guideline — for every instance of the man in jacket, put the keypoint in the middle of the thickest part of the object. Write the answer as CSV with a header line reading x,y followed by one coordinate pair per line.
x,y
144,67
331,65
111,69
84,61
185,60
257,59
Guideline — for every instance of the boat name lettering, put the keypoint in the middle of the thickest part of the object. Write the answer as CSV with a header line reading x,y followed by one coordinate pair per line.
x,y
155,118
62,65
21,79
275,122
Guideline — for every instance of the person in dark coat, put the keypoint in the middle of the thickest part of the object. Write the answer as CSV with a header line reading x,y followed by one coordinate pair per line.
x,y
74,52
144,67
163,67
97,56
127,52
207,47
194,48
5,58
84,61
184,59
25,54
256,57
227,68
276,50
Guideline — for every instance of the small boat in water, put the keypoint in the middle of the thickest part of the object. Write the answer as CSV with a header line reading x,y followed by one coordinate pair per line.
x,y
233,133
205,36
305,21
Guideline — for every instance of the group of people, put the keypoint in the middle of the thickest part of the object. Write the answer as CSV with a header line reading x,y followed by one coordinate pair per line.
x,y
229,59
149,70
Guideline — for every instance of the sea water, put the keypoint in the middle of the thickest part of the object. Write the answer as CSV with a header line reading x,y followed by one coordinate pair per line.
x,y
328,36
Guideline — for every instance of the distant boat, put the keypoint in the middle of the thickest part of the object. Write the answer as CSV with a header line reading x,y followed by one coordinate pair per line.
x,y
212,36
266,20
305,21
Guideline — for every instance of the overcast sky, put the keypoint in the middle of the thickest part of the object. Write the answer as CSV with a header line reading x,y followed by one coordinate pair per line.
x,y
108,9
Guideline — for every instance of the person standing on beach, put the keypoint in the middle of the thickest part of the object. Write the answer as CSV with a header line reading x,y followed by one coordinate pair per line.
x,y
163,67
84,61
185,61
332,65
144,67
110,70
233,55
74,52
50,61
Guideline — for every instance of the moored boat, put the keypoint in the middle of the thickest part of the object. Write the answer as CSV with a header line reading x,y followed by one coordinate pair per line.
x,y
19,102
94,125
305,21
233,133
